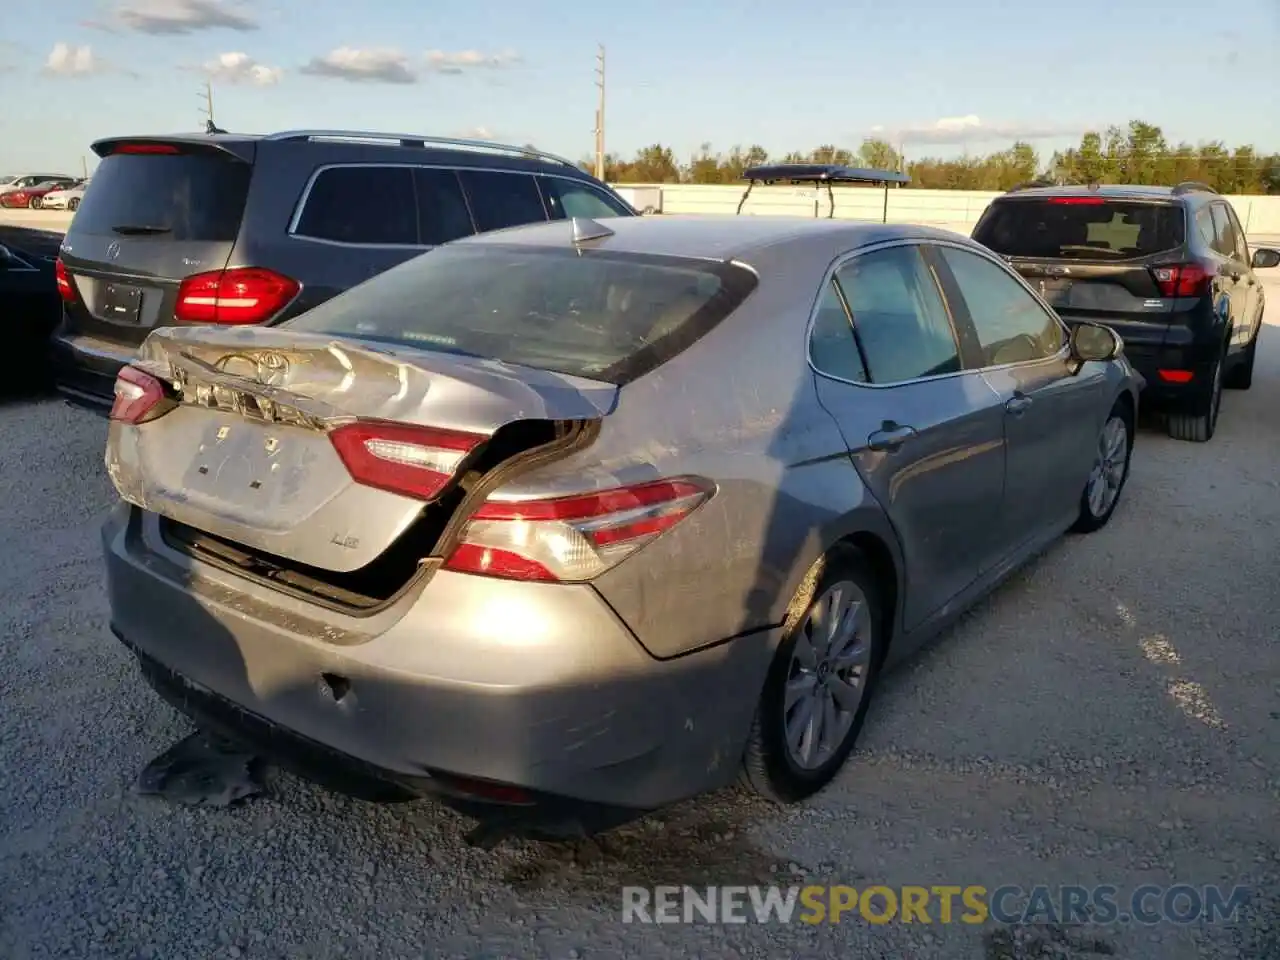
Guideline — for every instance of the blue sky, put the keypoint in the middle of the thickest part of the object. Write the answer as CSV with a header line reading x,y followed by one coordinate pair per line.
x,y
729,73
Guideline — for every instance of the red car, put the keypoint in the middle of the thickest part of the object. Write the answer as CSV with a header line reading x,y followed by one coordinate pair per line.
x,y
30,197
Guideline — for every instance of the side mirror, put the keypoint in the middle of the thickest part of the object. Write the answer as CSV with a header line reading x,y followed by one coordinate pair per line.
x,y
1264,258
1093,341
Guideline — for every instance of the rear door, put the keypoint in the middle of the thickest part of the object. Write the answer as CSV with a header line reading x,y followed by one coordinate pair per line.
x,y
926,436
1051,417
153,215
1091,257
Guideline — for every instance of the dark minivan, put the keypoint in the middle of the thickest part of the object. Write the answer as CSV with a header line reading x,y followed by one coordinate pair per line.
x,y
242,229
1167,268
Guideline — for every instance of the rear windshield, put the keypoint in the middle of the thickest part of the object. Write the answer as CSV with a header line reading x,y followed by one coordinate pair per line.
x,y
198,198
1080,229
594,314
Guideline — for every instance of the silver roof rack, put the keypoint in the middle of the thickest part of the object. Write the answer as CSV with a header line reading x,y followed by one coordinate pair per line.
x,y
418,140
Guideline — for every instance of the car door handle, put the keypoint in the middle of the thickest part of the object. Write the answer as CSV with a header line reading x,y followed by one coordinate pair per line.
x,y
1018,404
890,436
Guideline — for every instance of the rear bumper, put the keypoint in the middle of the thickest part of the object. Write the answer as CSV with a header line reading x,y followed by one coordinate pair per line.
x,y
533,685
85,368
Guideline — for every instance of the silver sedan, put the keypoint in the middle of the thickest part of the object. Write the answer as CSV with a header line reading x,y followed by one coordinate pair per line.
x,y
571,521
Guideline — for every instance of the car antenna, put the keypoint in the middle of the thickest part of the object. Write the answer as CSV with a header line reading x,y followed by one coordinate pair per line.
x,y
210,127
584,229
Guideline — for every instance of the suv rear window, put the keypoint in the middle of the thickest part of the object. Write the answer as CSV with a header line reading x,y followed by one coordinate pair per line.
x,y
1071,228
198,198
596,314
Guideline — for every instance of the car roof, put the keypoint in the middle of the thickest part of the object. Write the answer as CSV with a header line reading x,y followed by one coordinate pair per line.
x,y
1110,191
709,237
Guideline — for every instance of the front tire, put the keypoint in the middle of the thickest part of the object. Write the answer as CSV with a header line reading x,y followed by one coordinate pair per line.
x,y
72,204
819,687
35,203
1109,473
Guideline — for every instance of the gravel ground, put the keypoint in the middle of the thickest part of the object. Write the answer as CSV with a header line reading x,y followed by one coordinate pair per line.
x,y
1109,716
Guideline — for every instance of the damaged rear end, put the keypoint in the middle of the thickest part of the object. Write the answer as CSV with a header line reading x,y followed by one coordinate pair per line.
x,y
315,540
324,467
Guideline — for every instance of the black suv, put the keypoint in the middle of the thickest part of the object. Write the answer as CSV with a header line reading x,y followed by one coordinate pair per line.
x,y
1167,268
231,229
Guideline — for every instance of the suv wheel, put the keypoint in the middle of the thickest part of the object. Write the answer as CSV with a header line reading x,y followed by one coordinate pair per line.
x,y
819,687
1199,425
1241,375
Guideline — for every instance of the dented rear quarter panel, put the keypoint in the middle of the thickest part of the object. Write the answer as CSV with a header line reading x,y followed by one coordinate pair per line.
x,y
739,407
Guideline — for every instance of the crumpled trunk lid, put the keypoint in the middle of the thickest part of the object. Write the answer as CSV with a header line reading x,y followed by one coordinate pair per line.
x,y
246,455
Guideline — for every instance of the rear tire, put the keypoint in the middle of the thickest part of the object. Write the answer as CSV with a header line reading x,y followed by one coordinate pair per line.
x,y
1110,471
819,687
73,203
35,203
1201,423
1241,375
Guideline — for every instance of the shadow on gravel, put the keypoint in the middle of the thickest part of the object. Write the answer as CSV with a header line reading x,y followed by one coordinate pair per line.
x,y
701,842
1035,941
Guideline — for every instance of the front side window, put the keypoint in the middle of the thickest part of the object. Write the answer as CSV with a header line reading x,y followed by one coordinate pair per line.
x,y
361,205
899,315
1225,237
573,198
1011,324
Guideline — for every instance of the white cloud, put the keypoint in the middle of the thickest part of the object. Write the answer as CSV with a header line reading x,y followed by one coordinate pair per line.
x,y
174,17
973,129
241,68
374,65
72,61
478,133
444,62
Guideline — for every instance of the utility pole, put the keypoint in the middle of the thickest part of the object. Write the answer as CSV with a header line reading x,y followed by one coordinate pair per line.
x,y
600,114
207,95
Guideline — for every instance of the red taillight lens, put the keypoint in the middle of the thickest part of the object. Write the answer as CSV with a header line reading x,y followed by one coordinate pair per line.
x,y
137,395
65,288
402,458
239,295
577,538
1182,279
1176,376
155,149
1078,201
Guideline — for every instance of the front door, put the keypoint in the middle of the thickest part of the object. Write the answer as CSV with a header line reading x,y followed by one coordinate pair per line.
x,y
1051,421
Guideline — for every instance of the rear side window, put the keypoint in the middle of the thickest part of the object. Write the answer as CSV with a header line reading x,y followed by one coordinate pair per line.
x,y
442,210
607,316
1225,240
902,324
361,205
193,197
1081,228
832,346
502,199
572,198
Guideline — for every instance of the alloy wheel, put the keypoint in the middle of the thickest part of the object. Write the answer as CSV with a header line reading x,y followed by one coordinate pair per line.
x,y
828,675
1109,467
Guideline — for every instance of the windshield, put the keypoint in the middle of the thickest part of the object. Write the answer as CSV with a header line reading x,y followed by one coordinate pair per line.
x,y
610,317
1081,229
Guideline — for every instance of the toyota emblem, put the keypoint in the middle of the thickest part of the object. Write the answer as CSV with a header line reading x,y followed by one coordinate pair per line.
x,y
113,249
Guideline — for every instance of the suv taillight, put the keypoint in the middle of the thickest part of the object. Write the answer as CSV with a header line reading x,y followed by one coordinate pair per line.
x,y
65,288
1182,279
572,539
238,295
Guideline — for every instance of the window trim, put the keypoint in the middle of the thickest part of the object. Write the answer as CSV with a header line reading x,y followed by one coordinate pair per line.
x,y
966,318
301,204
1063,353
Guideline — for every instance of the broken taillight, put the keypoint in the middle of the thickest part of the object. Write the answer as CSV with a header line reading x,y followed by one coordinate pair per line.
x,y
575,538
138,396
402,458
